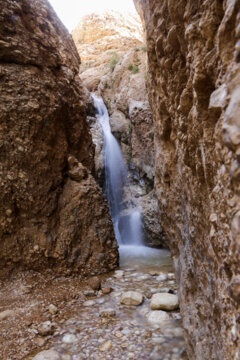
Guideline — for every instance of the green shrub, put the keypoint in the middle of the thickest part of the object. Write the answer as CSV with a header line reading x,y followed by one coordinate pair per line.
x,y
113,53
108,103
144,48
137,49
114,61
135,69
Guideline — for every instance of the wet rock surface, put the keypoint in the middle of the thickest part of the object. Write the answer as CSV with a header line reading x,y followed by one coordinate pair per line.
x,y
131,298
105,330
117,70
194,86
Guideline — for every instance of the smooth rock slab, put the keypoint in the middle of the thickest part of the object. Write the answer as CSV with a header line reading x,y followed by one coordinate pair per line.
x,y
164,301
89,303
131,298
157,317
6,314
47,355
69,339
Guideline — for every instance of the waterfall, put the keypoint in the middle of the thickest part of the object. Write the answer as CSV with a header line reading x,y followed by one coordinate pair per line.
x,y
125,215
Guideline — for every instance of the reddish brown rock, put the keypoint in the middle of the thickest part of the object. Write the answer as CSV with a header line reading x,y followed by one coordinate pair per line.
x,y
46,219
94,283
194,79
107,290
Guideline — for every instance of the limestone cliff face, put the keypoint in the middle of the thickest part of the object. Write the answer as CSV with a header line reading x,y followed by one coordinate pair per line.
x,y
47,214
115,66
99,37
194,87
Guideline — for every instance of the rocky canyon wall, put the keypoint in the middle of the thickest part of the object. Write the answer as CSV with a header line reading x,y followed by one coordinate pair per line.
x,y
114,65
52,212
194,89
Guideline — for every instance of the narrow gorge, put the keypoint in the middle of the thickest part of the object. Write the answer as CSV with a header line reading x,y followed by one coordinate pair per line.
x,y
119,179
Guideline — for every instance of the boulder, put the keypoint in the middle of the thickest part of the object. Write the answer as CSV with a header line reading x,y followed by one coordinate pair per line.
x,y
131,298
164,301
48,355
95,283
157,317
46,328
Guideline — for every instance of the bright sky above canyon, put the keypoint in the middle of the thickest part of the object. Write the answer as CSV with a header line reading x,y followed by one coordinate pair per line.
x,y
70,11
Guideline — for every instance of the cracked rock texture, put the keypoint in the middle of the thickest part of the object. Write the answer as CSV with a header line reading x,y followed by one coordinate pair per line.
x,y
114,64
52,213
101,38
194,90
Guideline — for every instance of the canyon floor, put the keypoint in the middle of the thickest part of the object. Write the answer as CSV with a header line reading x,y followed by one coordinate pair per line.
x,y
88,324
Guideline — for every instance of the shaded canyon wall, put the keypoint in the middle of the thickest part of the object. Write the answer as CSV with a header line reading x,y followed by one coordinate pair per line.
x,y
52,212
194,90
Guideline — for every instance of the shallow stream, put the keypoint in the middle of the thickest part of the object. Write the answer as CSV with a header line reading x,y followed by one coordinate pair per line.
x,y
127,334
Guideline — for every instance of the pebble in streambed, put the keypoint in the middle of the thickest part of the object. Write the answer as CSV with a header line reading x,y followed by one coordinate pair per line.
x,y
127,321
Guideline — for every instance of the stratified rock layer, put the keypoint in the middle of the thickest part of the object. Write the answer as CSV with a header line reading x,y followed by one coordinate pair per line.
x,y
103,35
48,216
194,87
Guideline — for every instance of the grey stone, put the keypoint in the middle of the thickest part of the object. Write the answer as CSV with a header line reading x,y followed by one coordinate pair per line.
x,y
46,328
157,317
164,301
69,339
131,298
47,355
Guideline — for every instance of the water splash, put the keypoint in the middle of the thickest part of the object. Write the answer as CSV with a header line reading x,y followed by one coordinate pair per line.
x,y
125,215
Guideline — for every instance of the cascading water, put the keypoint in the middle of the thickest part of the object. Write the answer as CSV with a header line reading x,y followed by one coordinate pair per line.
x,y
125,215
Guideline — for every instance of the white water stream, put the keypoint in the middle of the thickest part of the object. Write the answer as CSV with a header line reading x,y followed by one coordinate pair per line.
x,y
125,214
